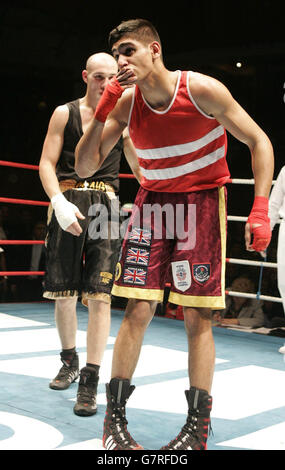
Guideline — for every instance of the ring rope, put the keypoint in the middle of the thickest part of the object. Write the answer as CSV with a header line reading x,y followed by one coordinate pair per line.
x,y
251,181
22,242
19,165
237,218
253,296
244,181
23,201
6,200
36,168
266,264
22,273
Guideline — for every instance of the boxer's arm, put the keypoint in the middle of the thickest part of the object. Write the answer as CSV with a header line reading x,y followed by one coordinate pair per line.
x,y
131,155
214,99
96,144
66,212
51,151
110,119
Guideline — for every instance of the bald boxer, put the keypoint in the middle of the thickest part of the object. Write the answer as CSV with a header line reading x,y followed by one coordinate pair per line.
x,y
79,264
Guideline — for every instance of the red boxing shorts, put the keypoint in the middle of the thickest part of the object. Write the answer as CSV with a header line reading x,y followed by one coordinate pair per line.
x,y
176,238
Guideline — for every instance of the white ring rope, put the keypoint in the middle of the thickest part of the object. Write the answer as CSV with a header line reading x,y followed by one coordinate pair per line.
x,y
245,181
254,296
265,264
262,264
236,218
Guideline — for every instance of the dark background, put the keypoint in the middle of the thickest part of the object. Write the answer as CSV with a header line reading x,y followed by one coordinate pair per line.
x,y
44,47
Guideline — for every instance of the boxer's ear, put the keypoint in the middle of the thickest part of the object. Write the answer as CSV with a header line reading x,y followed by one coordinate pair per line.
x,y
84,75
155,48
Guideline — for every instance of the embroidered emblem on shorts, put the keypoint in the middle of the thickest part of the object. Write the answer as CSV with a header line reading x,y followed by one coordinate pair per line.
x,y
140,236
118,271
135,276
136,255
201,272
106,277
181,275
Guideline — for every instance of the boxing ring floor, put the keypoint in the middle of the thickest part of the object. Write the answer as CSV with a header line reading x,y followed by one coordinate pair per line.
x,y
248,390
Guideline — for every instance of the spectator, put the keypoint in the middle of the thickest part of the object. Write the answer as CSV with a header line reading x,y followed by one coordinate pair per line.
x,y
241,310
276,212
273,311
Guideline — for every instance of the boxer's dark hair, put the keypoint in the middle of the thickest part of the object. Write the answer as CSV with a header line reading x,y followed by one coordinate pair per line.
x,y
140,29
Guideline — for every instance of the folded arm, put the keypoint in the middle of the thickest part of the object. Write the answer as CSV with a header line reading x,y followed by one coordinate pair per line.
x,y
110,119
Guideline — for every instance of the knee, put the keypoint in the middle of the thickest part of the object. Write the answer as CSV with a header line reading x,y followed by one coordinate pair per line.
x,y
197,320
139,313
65,305
98,308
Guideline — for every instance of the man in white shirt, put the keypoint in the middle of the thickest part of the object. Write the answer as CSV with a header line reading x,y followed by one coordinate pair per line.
x,y
276,212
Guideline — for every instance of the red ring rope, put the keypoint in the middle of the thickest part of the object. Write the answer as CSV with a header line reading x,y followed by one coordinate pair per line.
x,y
23,201
19,165
22,242
36,167
43,203
22,273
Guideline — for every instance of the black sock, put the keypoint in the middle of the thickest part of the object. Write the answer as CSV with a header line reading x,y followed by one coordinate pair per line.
x,y
68,354
93,366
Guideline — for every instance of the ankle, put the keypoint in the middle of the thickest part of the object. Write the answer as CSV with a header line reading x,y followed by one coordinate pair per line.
x,y
95,367
67,355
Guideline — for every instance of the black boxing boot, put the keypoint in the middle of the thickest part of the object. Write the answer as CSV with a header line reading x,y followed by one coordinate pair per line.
x,y
68,373
86,404
194,434
116,435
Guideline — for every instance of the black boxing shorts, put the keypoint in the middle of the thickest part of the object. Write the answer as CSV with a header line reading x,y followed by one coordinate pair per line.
x,y
85,265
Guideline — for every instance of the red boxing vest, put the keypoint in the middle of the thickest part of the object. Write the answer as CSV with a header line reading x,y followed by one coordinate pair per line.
x,y
180,149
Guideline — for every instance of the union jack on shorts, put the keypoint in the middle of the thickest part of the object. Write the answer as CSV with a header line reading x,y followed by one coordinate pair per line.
x,y
141,236
134,275
137,255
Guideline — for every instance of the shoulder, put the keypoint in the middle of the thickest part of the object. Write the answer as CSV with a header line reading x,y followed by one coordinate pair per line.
x,y
59,117
61,112
204,85
208,92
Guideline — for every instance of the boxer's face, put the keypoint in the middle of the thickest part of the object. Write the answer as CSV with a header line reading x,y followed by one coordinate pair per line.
x,y
98,75
135,56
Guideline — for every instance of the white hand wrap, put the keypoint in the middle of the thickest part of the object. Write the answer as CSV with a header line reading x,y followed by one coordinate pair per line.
x,y
64,210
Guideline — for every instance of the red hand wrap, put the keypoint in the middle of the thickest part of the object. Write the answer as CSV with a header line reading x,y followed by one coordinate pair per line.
x,y
108,100
259,215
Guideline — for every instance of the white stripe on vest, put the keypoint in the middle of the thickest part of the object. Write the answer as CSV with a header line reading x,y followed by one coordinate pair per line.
x,y
182,149
174,172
